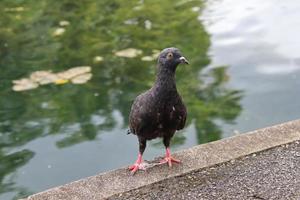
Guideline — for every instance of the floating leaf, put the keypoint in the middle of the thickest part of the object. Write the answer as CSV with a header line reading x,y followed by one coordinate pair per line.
x,y
43,77
148,24
64,23
76,71
147,58
16,9
129,53
61,81
154,55
196,9
98,59
81,78
24,84
59,31
77,75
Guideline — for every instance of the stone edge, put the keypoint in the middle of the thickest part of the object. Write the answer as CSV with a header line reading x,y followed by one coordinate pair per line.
x,y
114,182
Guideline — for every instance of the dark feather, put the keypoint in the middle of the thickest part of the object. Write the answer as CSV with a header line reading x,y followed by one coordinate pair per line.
x,y
159,112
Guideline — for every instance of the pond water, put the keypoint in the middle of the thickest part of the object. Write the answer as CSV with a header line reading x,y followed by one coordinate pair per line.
x,y
243,75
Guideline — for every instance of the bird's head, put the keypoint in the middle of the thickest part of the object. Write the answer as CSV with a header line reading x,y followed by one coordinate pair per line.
x,y
170,58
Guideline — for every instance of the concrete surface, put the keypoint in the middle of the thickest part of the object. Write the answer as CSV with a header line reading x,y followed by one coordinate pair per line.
x,y
194,159
271,174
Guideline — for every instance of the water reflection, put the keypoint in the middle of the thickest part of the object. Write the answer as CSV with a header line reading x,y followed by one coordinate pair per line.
x,y
57,35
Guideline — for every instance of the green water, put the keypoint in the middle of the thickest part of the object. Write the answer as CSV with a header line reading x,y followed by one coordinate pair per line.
x,y
55,134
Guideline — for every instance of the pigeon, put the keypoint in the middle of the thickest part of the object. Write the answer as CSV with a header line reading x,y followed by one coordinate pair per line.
x,y
159,111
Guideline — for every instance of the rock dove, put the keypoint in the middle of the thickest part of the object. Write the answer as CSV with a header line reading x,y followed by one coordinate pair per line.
x,y
159,112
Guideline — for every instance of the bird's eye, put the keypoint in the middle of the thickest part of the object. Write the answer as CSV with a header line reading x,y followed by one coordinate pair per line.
x,y
169,56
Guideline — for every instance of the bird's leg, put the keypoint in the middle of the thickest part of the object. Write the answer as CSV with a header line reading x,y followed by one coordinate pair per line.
x,y
139,162
168,158
137,165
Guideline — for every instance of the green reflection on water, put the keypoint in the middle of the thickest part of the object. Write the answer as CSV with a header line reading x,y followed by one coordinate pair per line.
x,y
99,28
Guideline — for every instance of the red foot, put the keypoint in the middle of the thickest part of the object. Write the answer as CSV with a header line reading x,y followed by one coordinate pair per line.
x,y
169,159
134,168
137,165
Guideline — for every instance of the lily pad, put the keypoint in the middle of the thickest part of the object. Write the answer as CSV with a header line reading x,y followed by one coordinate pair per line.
x,y
98,59
59,31
83,78
61,81
24,84
155,53
129,53
73,72
196,9
147,58
77,75
43,77
64,23
148,24
16,9
154,56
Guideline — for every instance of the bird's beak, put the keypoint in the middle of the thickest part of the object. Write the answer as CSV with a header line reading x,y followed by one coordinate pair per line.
x,y
183,60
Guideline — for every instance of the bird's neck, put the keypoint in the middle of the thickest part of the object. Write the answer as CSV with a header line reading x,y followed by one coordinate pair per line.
x,y
165,80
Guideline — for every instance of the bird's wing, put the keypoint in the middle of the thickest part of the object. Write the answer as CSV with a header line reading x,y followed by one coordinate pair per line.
x,y
182,118
181,114
143,114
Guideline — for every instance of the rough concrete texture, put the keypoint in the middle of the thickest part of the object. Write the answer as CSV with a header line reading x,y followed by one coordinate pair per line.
x,y
271,174
193,159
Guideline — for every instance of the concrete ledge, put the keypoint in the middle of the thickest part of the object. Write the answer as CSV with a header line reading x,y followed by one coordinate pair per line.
x,y
118,181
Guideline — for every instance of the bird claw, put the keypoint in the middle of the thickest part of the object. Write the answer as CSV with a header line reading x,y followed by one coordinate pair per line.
x,y
137,166
169,160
